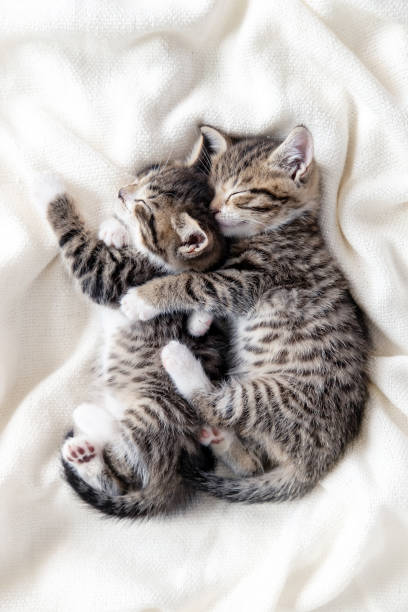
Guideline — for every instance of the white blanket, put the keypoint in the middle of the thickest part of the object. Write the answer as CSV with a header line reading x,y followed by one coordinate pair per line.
x,y
92,89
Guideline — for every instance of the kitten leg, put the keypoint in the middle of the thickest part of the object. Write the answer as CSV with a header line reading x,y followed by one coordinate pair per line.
x,y
199,322
96,422
104,273
228,449
184,369
135,308
113,233
226,406
94,428
78,450
189,378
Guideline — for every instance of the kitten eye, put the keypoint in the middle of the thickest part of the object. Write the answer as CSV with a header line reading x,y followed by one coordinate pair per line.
x,y
237,193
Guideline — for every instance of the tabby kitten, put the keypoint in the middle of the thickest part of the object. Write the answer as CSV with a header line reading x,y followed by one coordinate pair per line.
x,y
297,387
124,456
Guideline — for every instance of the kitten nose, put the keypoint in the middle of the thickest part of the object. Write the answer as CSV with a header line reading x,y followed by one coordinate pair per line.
x,y
122,194
216,205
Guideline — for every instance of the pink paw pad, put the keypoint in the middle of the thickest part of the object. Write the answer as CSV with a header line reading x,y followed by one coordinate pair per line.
x,y
210,435
81,452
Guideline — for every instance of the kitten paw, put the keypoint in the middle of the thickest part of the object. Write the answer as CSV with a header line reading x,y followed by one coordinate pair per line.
x,y
78,450
184,369
199,323
95,423
113,233
136,308
211,435
45,188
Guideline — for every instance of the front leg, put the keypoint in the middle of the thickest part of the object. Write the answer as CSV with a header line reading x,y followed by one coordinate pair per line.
x,y
104,272
136,308
230,291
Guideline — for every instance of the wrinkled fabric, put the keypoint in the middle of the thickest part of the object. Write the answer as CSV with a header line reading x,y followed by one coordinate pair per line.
x,y
94,89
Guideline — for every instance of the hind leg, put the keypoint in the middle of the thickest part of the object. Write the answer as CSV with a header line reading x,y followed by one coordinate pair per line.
x,y
227,448
189,377
94,428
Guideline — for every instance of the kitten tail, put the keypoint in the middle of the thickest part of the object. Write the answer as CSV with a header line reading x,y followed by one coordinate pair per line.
x,y
278,485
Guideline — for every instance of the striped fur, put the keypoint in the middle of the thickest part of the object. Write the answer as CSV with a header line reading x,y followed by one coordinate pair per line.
x,y
297,384
137,475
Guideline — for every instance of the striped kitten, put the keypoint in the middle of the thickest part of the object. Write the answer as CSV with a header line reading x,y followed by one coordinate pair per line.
x,y
123,458
297,387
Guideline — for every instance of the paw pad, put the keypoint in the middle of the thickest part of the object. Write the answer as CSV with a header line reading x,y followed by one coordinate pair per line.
x,y
78,450
210,435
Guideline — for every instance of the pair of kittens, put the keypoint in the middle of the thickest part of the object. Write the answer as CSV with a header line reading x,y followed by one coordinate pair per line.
x,y
231,235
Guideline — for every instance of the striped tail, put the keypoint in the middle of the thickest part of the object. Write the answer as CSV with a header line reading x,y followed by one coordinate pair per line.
x,y
142,503
278,485
163,498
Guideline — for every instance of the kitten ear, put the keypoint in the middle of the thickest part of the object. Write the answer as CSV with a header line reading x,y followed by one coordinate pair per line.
x,y
295,154
194,239
210,143
215,140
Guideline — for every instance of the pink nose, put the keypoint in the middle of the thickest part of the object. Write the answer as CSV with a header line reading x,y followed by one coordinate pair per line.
x,y
127,192
216,204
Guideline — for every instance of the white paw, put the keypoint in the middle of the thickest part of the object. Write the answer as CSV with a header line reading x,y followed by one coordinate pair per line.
x,y
219,439
45,188
79,450
184,369
95,422
112,232
136,308
199,322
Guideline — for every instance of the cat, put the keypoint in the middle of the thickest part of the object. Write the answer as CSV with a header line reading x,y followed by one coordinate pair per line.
x,y
297,387
123,458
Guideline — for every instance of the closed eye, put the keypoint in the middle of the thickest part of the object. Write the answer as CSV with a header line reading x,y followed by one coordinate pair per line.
x,y
266,192
269,194
237,193
248,206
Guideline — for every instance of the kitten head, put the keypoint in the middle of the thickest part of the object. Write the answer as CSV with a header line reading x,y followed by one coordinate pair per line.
x,y
259,183
166,210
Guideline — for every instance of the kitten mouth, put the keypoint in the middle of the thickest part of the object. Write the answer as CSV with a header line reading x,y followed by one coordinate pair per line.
x,y
225,222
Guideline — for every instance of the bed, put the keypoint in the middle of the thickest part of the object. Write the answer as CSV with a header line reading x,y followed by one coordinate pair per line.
x,y
92,90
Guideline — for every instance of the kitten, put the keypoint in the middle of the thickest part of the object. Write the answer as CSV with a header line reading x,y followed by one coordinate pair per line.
x,y
124,456
296,392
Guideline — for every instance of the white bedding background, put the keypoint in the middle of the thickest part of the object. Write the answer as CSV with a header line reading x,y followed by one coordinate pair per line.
x,y
90,89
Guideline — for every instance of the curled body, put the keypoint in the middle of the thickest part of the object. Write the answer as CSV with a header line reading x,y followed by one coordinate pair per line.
x,y
297,385
123,455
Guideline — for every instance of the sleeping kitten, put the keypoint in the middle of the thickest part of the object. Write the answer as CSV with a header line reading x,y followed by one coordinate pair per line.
x,y
123,458
297,389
